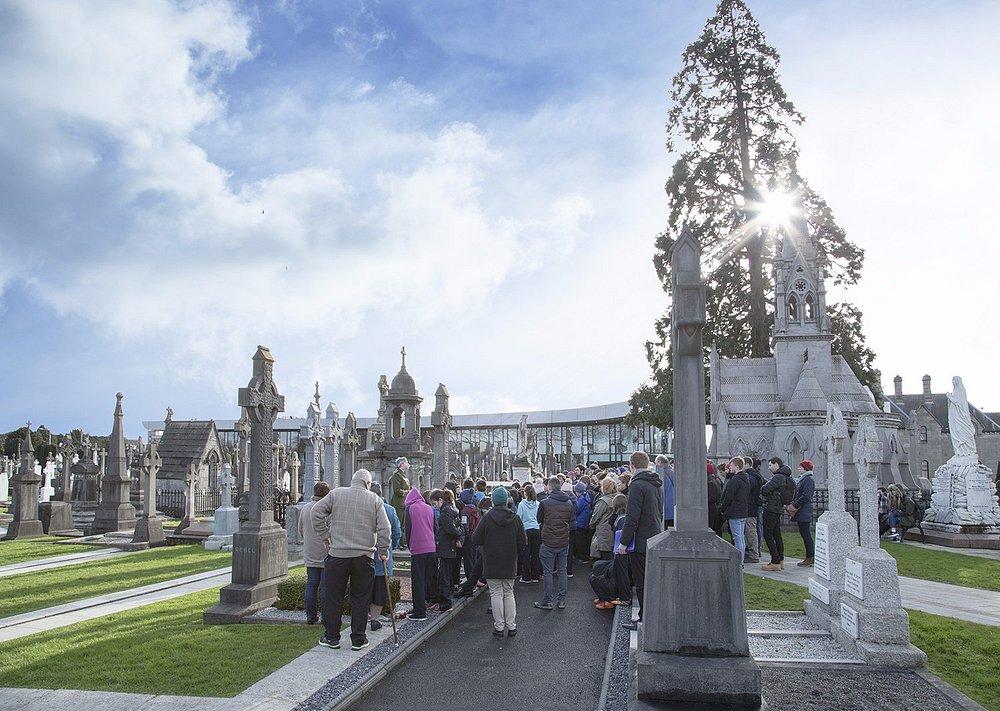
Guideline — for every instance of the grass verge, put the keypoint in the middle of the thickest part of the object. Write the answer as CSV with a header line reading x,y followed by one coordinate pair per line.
x,y
45,588
12,552
962,653
926,564
168,651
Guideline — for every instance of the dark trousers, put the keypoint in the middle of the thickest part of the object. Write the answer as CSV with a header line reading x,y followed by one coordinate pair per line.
x,y
807,538
469,555
637,564
421,568
623,583
772,537
533,564
444,581
456,571
581,543
473,577
314,591
359,571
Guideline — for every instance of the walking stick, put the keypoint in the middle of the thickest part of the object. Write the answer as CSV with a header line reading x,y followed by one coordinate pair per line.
x,y
388,596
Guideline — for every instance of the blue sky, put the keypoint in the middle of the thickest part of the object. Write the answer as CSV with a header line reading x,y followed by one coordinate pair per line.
x,y
480,182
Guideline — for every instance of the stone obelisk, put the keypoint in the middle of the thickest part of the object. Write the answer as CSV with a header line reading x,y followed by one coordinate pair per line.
x,y
26,523
693,646
115,512
260,550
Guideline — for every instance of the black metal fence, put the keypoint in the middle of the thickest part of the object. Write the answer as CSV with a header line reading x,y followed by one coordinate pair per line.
x,y
173,502
852,503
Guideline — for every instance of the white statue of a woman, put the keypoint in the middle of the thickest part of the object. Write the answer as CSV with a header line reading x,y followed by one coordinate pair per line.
x,y
963,434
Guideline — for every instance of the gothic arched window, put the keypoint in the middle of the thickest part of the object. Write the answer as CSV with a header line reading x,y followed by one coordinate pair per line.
x,y
397,422
793,308
810,308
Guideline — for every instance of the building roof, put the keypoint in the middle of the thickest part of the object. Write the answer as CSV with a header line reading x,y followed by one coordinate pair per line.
x,y
184,442
937,405
536,418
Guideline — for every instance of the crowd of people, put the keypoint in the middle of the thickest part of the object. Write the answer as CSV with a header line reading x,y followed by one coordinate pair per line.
x,y
466,535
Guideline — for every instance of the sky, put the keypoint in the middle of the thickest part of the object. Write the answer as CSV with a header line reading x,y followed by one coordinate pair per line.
x,y
480,182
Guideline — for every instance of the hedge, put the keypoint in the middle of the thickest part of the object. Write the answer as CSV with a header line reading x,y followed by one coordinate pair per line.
x,y
292,593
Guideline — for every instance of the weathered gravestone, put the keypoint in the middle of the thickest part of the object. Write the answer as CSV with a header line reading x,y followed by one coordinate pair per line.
x,y
836,530
149,526
190,514
57,513
331,450
872,618
260,550
292,512
115,511
693,645
26,523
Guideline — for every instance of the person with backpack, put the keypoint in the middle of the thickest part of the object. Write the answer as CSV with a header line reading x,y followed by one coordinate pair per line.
x,y
500,534
527,511
776,493
583,533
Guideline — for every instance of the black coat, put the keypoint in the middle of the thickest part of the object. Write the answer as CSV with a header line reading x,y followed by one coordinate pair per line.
x,y
447,532
736,497
501,534
714,496
778,490
756,483
644,512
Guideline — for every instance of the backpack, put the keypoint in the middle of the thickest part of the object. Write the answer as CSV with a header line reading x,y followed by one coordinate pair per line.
x,y
470,518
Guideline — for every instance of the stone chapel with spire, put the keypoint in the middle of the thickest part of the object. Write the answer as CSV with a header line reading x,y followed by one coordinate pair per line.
x,y
765,407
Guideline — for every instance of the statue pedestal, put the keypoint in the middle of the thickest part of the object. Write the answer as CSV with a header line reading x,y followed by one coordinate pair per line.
x,y
57,518
260,562
964,495
685,655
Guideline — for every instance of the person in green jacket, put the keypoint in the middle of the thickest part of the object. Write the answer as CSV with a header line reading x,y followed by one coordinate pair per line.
x,y
399,486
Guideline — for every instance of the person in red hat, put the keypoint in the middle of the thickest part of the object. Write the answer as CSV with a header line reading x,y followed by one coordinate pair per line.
x,y
801,509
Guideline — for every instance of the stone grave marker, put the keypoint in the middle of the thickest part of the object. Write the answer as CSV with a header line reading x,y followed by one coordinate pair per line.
x,y
227,519
115,511
149,526
26,523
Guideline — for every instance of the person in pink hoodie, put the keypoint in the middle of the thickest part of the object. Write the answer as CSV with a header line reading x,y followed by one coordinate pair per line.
x,y
418,524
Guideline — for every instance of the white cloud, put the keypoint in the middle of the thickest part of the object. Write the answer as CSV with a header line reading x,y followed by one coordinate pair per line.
x,y
363,33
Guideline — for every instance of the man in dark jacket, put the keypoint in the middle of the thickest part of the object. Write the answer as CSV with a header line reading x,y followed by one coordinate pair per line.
x,y
501,535
801,509
557,519
776,493
643,520
753,511
446,535
736,503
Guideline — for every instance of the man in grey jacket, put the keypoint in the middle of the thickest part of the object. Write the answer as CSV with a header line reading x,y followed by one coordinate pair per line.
x,y
355,522
314,548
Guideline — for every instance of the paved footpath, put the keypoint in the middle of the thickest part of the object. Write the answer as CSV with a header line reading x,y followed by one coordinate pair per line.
x,y
555,662
970,604
57,561
71,612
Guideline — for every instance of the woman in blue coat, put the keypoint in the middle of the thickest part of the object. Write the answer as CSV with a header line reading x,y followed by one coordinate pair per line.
x,y
379,599
801,509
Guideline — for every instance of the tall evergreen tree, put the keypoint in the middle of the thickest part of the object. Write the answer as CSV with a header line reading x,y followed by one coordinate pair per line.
x,y
731,124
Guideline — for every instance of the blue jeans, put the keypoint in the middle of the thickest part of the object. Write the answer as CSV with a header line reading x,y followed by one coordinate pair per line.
x,y
736,527
314,582
554,557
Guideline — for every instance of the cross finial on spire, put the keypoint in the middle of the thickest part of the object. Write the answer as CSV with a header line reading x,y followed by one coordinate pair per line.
x,y
316,396
403,352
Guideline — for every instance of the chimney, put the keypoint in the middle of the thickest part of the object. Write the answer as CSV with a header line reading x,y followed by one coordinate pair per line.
x,y
898,385
927,385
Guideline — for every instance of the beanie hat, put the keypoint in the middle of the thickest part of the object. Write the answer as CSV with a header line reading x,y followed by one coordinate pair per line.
x,y
499,496
467,497
806,464
580,487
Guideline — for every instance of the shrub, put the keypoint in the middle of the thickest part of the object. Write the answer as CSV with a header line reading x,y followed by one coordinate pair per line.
x,y
292,593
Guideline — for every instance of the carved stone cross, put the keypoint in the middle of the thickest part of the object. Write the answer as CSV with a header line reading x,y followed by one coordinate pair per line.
x,y
263,403
867,459
835,432
67,451
149,465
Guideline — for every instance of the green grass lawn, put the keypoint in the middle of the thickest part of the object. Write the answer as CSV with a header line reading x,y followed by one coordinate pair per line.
x,y
34,591
925,563
12,552
962,653
167,650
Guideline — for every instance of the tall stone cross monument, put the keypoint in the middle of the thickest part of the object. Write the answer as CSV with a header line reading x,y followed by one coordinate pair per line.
x,y
333,434
260,550
871,611
115,512
149,527
26,523
836,531
685,654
